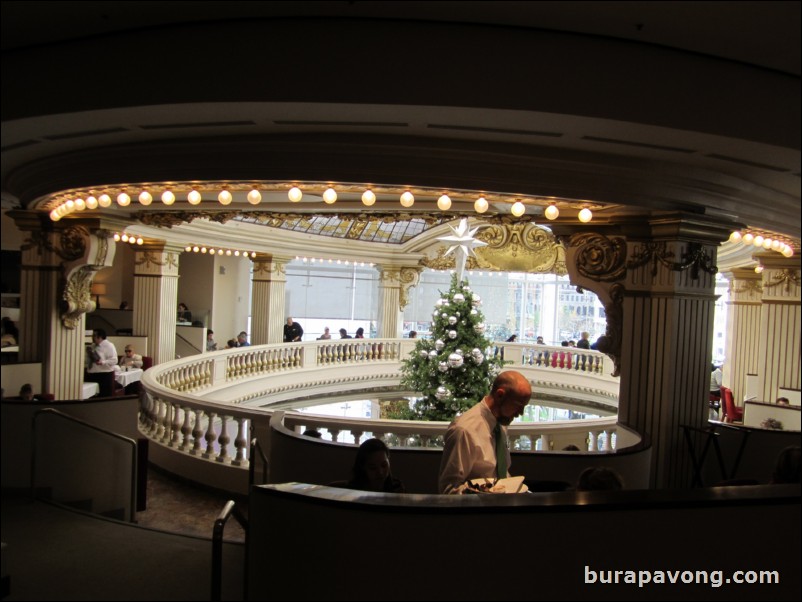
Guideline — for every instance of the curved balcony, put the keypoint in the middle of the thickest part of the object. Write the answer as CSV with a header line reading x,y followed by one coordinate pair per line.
x,y
200,412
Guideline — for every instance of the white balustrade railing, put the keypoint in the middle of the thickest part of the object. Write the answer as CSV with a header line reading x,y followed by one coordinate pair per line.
x,y
183,410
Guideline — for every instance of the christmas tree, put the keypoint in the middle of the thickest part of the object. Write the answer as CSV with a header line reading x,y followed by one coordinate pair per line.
x,y
453,370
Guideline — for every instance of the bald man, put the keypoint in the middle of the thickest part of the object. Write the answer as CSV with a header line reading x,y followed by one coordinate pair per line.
x,y
470,450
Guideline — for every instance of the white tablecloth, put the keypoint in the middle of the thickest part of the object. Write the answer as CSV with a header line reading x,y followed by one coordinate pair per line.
x,y
89,390
126,378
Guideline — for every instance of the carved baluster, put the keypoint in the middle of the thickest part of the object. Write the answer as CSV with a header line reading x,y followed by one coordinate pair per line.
x,y
593,443
197,433
210,437
357,436
223,440
241,443
186,430
335,434
425,440
166,420
546,442
175,426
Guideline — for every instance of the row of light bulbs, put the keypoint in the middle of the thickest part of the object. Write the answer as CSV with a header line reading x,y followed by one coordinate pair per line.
x,y
295,194
218,251
129,238
763,242
332,261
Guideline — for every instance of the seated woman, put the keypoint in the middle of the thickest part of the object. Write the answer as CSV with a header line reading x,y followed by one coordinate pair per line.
x,y
184,315
371,470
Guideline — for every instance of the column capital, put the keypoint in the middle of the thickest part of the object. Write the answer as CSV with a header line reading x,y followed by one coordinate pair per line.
x,y
745,286
269,267
402,277
156,259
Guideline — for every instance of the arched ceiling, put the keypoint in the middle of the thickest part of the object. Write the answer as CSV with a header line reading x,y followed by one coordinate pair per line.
x,y
632,107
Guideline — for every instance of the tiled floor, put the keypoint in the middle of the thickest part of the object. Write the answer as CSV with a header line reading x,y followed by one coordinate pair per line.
x,y
177,506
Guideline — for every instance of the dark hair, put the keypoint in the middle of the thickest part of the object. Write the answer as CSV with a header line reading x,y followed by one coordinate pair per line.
x,y
99,332
512,338
571,447
599,479
313,433
360,331
26,388
412,334
365,450
787,468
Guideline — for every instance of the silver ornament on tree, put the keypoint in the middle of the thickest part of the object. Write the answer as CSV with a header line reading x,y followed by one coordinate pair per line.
x,y
459,297
439,344
455,360
424,354
442,366
452,334
452,320
477,300
476,351
474,312
480,327
432,354
478,359
442,393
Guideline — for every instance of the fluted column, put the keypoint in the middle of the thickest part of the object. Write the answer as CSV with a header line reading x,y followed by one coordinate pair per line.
x,y
156,297
658,286
59,261
743,329
394,284
267,299
778,351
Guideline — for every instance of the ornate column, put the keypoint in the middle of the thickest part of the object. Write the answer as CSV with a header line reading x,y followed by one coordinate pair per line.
x,y
743,329
394,283
156,297
267,299
59,261
658,287
778,351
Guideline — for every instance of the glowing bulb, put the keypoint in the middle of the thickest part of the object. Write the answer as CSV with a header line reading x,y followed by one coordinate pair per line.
x,y
748,238
54,215
70,205
481,205
188,248
124,237
123,200
168,198
776,245
228,252
211,251
219,251
254,197
735,237
368,197
253,253
518,209
444,203
407,199
552,212
585,215
194,197
767,242
225,197
104,200
80,204
203,249
788,251
758,269
330,195
295,195
132,240
236,253
195,249
116,237
145,198
758,241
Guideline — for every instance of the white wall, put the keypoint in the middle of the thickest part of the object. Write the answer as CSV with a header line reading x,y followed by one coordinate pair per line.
x,y
231,304
119,279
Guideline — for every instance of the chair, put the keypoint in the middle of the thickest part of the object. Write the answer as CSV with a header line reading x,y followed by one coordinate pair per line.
x,y
147,362
732,413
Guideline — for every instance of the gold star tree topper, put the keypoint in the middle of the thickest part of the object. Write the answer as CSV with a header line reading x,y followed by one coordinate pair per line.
x,y
462,239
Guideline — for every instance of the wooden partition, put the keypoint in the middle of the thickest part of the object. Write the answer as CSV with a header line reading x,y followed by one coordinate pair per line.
x,y
548,546
294,457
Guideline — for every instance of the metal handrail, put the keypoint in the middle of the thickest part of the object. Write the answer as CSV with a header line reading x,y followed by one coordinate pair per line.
x,y
229,510
94,428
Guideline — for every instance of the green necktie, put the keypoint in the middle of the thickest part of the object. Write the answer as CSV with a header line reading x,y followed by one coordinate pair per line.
x,y
501,452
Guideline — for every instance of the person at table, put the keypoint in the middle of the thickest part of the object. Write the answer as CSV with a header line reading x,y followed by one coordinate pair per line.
x,y
371,470
184,315
103,353
26,393
476,442
130,359
10,333
360,333
584,342
210,344
242,339
715,381
326,335
344,334
783,401
292,331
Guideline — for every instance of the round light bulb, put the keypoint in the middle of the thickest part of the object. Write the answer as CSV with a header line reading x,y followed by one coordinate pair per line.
x,y
194,197
330,195
123,200
735,237
61,210
225,197
295,195
132,240
145,198
195,249
70,205
776,245
124,237
407,199
203,249
444,203
767,242
188,248
54,216
788,251
104,200
80,204
228,252
518,209
116,237
254,197
481,205
168,198
91,202
253,253
758,241
219,251
552,212
368,197
585,215
748,238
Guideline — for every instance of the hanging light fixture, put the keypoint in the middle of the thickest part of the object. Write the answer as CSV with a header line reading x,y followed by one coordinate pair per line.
x,y
368,198
295,195
444,203
123,200
330,196
552,212
585,215
225,197
481,205
518,209
194,197
168,198
145,198
407,199
254,197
